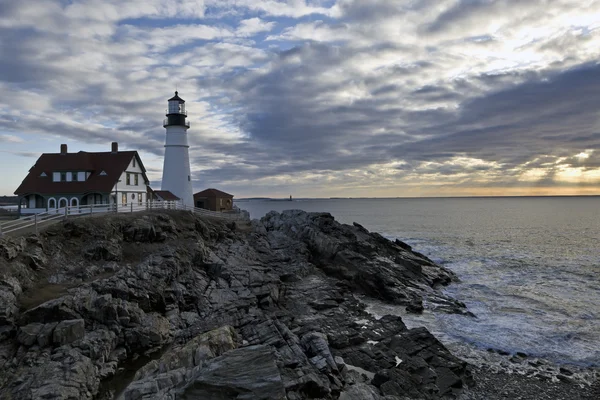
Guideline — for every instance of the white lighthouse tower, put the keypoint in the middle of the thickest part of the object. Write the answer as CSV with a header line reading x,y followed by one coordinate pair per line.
x,y
176,169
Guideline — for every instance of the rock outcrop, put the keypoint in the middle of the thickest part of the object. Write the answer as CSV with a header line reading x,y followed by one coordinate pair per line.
x,y
171,305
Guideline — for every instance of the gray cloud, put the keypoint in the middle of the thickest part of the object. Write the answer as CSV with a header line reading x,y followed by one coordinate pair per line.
x,y
352,93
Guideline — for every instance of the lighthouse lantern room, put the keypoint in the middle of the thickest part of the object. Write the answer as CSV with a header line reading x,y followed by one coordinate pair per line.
x,y
176,169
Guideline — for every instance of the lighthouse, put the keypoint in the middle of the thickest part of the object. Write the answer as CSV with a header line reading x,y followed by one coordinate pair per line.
x,y
176,169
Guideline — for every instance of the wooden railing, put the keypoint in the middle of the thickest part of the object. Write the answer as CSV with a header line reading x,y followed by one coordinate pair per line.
x,y
36,221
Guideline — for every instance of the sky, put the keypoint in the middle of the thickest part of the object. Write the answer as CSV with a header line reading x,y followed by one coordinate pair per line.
x,y
314,98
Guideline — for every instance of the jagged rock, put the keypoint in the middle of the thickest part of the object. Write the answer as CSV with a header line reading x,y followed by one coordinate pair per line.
x,y
68,331
245,373
159,378
10,248
142,230
28,334
360,391
10,289
265,309
45,334
102,250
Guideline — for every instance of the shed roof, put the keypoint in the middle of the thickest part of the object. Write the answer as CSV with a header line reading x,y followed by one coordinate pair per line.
x,y
212,193
165,195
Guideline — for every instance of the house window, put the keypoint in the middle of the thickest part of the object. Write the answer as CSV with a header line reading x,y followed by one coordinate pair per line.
x,y
133,162
63,176
135,179
128,178
74,176
140,199
124,198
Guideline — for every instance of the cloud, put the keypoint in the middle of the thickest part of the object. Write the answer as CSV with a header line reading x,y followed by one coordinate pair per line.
x,y
251,26
345,95
11,139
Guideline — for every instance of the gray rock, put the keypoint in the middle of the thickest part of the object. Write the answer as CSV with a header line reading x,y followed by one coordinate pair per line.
x,y
28,334
188,291
245,373
45,335
68,331
360,391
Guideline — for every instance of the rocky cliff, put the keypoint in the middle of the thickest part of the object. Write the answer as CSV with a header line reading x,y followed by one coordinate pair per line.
x,y
175,306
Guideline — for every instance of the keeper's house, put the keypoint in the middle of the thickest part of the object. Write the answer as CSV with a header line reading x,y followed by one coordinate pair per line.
x,y
64,179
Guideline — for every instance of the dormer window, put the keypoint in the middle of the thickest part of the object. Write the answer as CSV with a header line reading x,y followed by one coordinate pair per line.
x,y
74,176
63,176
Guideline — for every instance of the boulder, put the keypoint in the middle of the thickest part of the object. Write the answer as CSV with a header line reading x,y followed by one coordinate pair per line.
x,y
245,373
68,331
106,250
360,391
28,334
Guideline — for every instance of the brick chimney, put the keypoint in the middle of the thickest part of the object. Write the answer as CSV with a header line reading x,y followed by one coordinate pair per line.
x,y
63,149
114,147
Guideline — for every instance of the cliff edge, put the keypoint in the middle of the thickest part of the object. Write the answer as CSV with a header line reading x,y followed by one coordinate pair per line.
x,y
176,306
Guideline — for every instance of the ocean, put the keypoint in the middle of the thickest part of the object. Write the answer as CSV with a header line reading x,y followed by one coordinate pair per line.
x,y
529,268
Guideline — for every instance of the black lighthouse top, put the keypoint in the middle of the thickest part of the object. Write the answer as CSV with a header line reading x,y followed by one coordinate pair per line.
x,y
176,113
177,98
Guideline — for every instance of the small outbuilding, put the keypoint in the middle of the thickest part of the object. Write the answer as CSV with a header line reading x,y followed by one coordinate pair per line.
x,y
214,200
161,195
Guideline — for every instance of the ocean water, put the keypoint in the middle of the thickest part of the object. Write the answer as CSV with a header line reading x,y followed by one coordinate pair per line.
x,y
529,268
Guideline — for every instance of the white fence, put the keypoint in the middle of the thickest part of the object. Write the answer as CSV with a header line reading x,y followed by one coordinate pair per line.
x,y
35,221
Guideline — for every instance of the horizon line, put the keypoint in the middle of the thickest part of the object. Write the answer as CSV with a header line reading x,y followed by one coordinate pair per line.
x,y
412,197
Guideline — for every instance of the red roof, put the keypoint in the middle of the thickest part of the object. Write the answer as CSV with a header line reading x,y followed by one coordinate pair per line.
x,y
113,164
166,195
212,193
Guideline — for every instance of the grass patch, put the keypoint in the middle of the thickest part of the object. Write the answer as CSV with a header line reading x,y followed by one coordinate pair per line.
x,y
35,296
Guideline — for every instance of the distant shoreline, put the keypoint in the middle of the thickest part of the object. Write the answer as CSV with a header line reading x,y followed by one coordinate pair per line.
x,y
410,198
